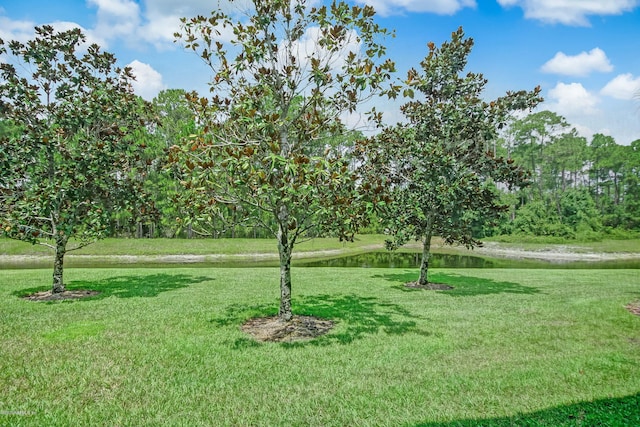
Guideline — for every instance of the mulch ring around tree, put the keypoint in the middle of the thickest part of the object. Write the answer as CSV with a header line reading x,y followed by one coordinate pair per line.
x,y
300,328
634,308
429,286
60,296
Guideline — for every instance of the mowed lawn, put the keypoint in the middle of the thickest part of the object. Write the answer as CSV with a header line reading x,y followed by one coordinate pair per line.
x,y
164,347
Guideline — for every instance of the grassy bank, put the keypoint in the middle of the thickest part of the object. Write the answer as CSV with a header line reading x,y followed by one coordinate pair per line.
x,y
163,347
192,246
362,243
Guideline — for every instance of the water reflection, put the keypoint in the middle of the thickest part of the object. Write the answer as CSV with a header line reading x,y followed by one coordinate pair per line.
x,y
412,260
402,260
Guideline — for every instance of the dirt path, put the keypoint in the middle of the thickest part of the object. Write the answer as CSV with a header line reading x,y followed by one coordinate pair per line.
x,y
556,253
551,253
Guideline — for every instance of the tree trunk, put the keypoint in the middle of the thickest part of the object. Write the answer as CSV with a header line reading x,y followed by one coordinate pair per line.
x,y
556,199
426,254
284,250
58,263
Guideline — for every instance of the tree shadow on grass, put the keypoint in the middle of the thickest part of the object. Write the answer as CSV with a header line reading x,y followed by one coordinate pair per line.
x,y
463,286
622,411
144,286
355,317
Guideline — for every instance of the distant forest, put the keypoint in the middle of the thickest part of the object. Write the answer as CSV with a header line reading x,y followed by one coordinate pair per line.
x,y
579,188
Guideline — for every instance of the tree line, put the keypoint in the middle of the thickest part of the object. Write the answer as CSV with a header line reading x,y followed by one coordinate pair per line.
x,y
267,153
579,188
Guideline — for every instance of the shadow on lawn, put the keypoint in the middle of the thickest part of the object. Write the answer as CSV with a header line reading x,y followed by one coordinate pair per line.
x,y
463,286
622,411
355,317
127,286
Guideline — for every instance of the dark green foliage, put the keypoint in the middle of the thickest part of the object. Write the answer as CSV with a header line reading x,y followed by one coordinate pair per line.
x,y
270,147
579,190
577,217
75,155
176,121
439,169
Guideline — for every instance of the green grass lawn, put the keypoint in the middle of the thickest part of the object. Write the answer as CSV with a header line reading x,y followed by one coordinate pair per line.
x,y
120,246
163,347
362,243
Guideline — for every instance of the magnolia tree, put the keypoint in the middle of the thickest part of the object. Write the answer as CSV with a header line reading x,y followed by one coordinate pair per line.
x,y
439,167
285,75
75,154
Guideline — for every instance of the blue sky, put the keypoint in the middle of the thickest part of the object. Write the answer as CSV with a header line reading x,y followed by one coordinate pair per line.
x,y
585,54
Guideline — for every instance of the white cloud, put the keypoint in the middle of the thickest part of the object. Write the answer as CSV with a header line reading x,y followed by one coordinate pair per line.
x,y
570,12
15,30
590,113
24,31
308,47
587,132
158,20
162,19
91,36
116,18
578,65
160,31
148,81
190,8
441,7
116,8
134,21
623,86
572,99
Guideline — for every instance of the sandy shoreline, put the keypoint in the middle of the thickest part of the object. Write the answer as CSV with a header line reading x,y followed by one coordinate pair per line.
x,y
558,253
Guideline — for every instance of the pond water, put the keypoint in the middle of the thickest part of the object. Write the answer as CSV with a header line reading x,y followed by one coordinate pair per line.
x,y
402,260
412,260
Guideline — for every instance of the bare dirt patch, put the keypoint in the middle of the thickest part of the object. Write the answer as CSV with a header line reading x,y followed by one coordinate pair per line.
x,y
552,253
634,308
60,296
300,328
429,286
